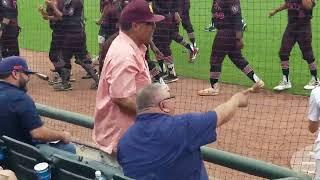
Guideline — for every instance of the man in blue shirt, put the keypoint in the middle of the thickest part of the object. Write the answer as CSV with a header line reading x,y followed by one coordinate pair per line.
x,y
18,115
161,145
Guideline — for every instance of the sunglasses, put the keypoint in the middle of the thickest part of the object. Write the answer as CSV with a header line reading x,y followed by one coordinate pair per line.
x,y
24,72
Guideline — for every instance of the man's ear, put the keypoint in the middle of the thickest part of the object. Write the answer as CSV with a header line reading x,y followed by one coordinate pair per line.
x,y
14,74
134,26
163,107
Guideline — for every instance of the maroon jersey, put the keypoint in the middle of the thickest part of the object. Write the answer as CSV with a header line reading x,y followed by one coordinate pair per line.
x,y
227,14
9,10
72,19
297,14
165,6
112,15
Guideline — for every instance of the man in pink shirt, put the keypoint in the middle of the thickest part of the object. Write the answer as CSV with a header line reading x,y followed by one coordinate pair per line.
x,y
124,73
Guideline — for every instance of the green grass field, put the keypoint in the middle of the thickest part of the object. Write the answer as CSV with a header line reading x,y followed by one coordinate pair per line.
x,y
262,41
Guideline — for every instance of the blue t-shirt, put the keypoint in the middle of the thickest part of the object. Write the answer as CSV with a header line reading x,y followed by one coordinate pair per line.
x,y
18,115
160,146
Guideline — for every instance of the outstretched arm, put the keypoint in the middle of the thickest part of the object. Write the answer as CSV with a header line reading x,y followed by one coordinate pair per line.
x,y
227,110
278,9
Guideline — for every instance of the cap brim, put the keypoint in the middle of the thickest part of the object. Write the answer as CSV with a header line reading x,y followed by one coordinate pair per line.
x,y
30,72
155,18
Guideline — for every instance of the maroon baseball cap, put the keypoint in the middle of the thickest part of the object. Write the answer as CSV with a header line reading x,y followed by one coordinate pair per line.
x,y
139,11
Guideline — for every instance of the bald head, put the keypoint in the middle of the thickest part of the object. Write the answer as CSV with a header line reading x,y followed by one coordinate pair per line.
x,y
151,95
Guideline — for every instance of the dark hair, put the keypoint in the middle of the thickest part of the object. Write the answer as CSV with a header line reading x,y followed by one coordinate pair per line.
x,y
125,26
4,76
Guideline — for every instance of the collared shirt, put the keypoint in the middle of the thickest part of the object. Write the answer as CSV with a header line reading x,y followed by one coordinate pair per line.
x,y
160,146
18,114
124,73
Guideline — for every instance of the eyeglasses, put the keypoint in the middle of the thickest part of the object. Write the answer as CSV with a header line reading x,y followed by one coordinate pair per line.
x,y
171,97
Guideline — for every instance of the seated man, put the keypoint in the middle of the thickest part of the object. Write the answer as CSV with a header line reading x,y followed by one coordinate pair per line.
x,y
18,115
160,145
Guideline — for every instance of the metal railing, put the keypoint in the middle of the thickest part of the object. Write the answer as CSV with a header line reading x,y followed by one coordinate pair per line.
x,y
222,158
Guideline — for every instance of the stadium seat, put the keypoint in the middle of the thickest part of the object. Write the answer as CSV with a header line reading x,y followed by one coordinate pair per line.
x,y
3,153
21,158
70,169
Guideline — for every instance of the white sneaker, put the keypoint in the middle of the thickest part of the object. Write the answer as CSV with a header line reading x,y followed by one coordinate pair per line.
x,y
311,85
283,85
193,54
210,91
260,83
95,60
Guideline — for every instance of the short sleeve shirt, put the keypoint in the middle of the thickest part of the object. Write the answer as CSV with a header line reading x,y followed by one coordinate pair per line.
x,y
297,14
18,114
111,19
227,14
73,16
160,146
124,73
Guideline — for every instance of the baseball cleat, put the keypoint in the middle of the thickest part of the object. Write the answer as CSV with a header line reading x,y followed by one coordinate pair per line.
x,y
95,60
170,79
312,84
193,54
283,85
55,80
62,87
244,25
210,91
260,83
94,86
87,76
210,28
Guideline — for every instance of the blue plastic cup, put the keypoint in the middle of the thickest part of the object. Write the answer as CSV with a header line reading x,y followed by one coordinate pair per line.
x,y
43,171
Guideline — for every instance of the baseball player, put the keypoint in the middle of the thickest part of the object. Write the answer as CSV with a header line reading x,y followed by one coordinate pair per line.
x,y
228,41
74,42
56,37
186,22
298,30
110,13
164,34
9,29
